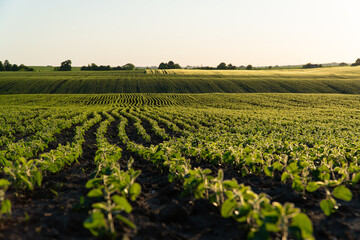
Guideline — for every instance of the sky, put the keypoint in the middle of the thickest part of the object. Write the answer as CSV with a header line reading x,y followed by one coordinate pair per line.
x,y
188,32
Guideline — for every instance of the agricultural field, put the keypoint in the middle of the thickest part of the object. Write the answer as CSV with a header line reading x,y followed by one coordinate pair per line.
x,y
179,166
344,80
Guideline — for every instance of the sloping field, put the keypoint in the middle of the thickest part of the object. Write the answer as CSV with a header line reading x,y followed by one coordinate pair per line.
x,y
180,166
326,80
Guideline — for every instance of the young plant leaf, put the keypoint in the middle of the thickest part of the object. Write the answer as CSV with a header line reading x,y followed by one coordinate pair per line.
x,y
303,222
312,187
126,221
122,203
228,208
343,193
95,193
96,223
135,190
327,207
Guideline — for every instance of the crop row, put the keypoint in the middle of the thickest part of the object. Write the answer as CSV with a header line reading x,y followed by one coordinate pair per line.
x,y
111,187
27,173
235,200
312,149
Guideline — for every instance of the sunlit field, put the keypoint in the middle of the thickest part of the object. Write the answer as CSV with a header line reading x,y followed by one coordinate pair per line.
x,y
244,165
325,80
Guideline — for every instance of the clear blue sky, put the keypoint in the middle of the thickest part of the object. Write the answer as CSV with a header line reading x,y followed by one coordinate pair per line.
x,y
189,32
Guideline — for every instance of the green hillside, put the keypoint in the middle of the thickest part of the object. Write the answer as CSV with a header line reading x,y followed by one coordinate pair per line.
x,y
321,80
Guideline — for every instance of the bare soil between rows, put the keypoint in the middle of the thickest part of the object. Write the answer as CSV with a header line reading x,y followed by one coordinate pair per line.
x,y
162,211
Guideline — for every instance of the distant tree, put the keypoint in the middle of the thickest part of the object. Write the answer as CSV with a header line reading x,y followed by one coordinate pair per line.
x,y
249,67
163,66
2,68
129,66
222,66
270,67
309,65
15,68
357,63
343,64
169,65
94,67
231,67
7,65
65,66
117,68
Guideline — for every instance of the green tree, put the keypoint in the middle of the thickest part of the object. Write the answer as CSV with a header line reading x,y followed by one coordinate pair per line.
x,y
129,66
222,66
163,66
357,62
249,67
15,68
169,65
7,65
65,66
230,66
2,68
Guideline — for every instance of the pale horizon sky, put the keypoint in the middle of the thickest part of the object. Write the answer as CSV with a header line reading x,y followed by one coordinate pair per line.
x,y
197,32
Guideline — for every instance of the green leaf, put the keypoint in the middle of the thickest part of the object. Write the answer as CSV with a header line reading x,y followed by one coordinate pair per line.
x,y
4,183
343,193
92,182
231,184
95,223
135,190
298,185
327,206
268,171
259,234
271,227
277,166
95,193
303,222
38,177
122,203
356,177
312,187
228,208
284,176
126,221
101,206
6,207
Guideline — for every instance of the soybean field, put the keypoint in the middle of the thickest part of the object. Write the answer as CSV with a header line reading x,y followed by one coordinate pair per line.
x,y
180,166
345,80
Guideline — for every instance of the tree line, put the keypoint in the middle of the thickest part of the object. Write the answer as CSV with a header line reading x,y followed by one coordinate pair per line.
x,y
94,67
7,66
169,65
66,66
356,63
224,66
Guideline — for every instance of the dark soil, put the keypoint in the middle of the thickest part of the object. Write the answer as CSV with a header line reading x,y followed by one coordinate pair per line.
x,y
155,139
343,224
132,134
162,211
42,214
65,136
